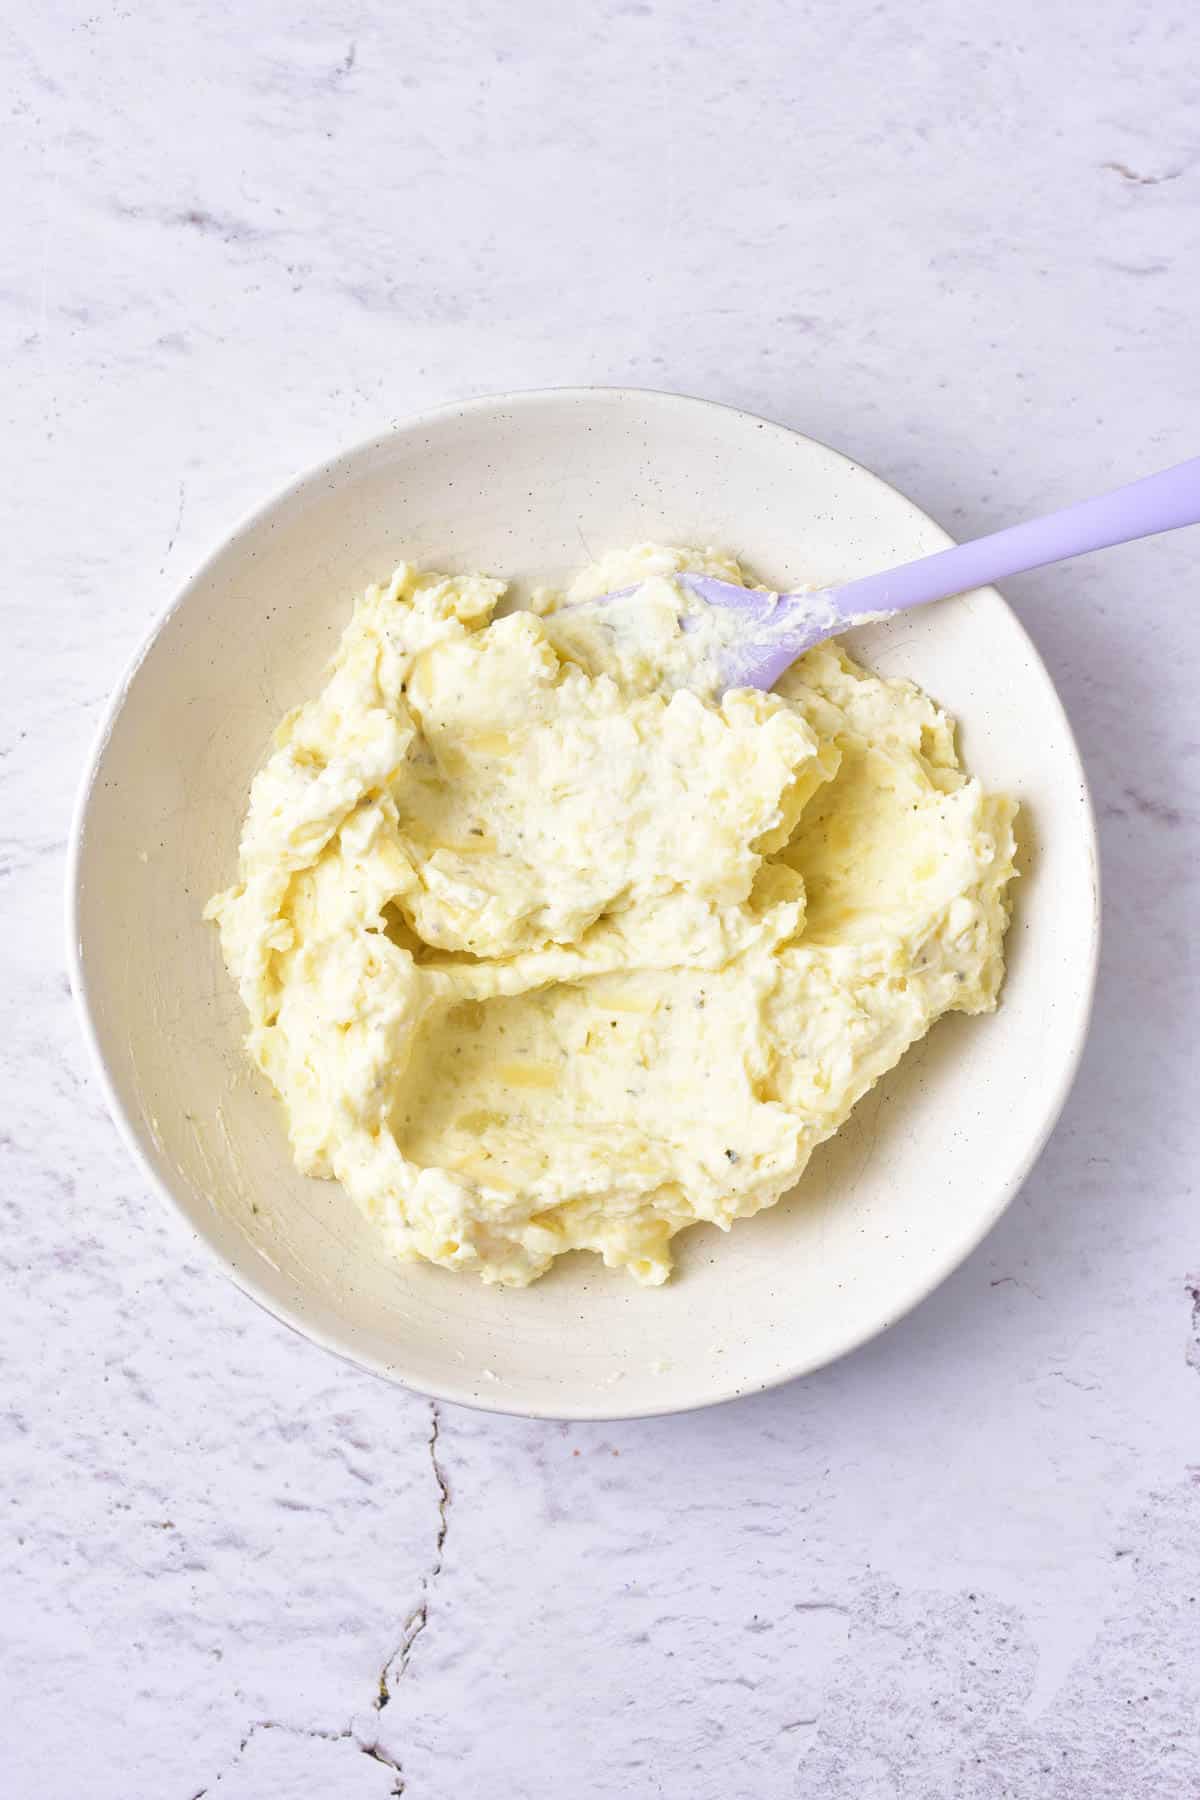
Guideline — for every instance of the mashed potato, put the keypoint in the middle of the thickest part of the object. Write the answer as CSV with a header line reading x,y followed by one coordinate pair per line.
x,y
545,947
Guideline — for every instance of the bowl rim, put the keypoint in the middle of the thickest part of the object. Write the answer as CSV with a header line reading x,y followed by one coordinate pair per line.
x,y
449,1391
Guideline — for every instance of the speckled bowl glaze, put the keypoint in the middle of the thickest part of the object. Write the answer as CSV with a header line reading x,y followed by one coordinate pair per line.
x,y
528,486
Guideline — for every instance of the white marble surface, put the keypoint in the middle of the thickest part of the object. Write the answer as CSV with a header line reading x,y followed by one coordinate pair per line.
x,y
962,242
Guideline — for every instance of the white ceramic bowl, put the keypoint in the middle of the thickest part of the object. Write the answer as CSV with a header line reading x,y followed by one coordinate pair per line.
x,y
528,486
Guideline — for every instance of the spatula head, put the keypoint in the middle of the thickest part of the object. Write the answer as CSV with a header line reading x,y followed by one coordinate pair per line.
x,y
728,636
764,632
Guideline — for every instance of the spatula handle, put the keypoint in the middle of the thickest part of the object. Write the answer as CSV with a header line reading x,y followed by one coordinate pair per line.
x,y
1157,503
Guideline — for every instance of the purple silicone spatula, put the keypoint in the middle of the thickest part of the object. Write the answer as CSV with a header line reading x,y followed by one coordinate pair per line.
x,y
781,627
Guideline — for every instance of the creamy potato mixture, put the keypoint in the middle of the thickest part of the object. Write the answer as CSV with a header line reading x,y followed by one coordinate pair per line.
x,y
545,946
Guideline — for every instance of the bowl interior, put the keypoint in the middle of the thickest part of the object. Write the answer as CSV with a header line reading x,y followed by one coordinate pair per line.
x,y
528,488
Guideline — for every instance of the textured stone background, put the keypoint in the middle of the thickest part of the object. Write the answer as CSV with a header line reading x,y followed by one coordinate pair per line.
x,y
962,242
